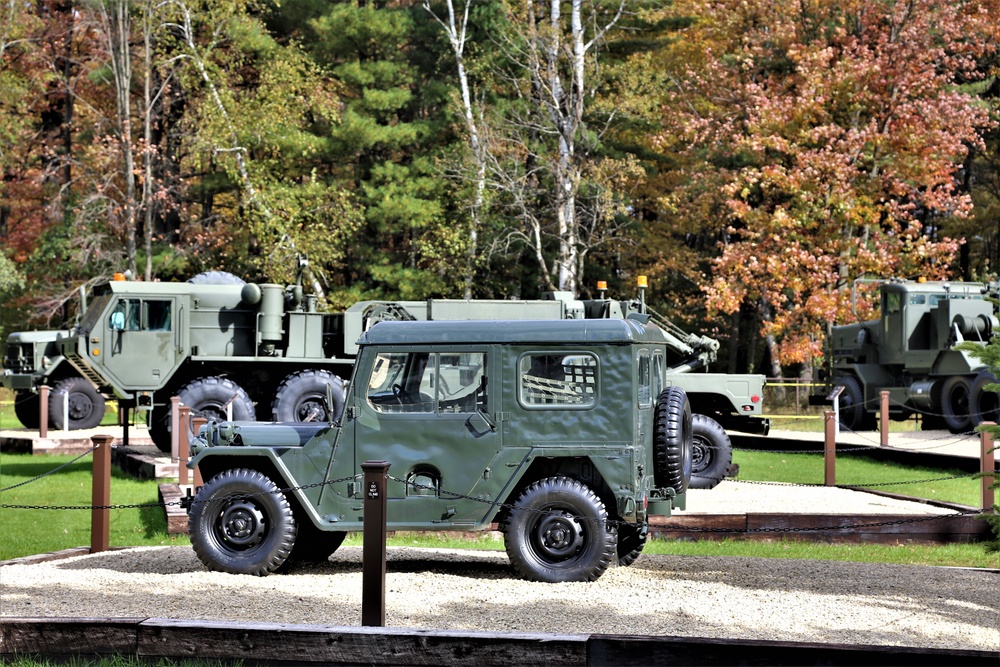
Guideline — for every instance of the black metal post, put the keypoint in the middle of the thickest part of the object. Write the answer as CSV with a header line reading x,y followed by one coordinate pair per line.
x,y
373,536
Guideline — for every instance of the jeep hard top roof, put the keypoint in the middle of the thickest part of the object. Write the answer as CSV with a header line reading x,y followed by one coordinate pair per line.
x,y
610,331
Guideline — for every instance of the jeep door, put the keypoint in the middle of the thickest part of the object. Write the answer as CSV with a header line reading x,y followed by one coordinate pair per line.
x,y
428,412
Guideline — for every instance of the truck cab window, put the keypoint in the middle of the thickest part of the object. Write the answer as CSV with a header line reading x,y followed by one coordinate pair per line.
x,y
157,315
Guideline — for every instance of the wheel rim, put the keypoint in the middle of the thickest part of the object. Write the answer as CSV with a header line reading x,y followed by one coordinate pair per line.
x,y
241,525
701,454
309,409
558,536
959,400
80,407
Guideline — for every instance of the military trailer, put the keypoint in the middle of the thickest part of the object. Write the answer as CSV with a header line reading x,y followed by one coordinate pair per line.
x,y
565,435
910,352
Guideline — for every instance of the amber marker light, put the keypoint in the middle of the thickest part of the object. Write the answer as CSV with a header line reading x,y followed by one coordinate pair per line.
x,y
96,352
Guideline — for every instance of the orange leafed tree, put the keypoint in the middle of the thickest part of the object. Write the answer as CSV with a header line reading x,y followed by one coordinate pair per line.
x,y
829,136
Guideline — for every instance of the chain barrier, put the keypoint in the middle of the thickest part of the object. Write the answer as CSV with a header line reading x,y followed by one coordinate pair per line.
x,y
186,503
49,472
615,522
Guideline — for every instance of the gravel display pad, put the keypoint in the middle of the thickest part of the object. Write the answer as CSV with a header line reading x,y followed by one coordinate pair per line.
x,y
742,598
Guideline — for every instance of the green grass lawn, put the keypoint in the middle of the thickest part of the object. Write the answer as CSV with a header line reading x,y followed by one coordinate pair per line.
x,y
33,531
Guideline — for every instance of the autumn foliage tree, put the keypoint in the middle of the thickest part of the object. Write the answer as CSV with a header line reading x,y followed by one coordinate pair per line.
x,y
834,133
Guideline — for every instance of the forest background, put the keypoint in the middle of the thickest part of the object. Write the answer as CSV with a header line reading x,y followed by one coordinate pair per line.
x,y
752,157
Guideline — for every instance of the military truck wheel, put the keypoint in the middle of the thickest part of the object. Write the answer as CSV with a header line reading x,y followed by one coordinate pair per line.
x,y
216,278
955,404
301,397
558,531
711,454
241,523
672,440
207,397
26,409
86,406
631,540
985,405
852,405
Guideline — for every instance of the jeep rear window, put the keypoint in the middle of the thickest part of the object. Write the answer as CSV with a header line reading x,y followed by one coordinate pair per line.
x,y
431,382
547,379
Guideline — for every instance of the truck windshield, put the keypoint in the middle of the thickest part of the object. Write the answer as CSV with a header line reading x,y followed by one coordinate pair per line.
x,y
95,310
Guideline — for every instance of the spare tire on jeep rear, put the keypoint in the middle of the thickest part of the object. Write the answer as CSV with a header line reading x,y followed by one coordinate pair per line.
x,y
673,440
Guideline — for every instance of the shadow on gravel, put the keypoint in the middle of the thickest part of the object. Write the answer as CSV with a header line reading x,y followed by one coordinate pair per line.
x,y
347,560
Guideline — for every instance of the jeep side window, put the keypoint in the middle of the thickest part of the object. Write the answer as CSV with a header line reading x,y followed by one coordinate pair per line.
x,y
657,373
645,380
557,379
428,382
461,382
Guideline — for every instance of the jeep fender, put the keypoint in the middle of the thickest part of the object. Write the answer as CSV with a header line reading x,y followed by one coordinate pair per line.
x,y
589,467
265,460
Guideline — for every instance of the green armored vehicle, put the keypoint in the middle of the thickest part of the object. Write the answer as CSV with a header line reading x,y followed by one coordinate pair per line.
x,y
564,434
910,352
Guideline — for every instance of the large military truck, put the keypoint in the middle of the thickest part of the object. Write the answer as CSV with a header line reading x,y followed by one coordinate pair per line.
x,y
248,351
564,434
910,351
33,359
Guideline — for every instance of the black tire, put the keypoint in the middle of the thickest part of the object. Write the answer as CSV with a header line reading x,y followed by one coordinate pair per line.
x,y
956,400
241,523
313,545
26,409
86,405
207,397
631,540
853,416
673,440
301,397
711,453
558,531
985,404
216,278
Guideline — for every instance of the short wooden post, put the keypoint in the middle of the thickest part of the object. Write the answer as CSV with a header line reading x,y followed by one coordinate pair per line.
x,y
196,424
830,448
100,514
987,466
175,426
884,418
43,411
373,544
183,443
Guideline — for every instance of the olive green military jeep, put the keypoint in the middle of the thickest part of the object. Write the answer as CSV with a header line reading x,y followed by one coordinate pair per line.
x,y
562,434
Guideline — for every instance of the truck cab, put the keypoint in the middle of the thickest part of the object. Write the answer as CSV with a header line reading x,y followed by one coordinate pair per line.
x,y
565,435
